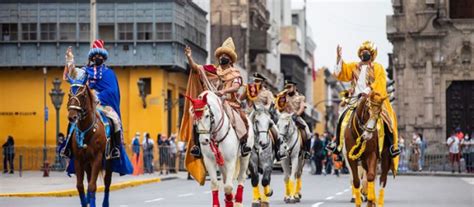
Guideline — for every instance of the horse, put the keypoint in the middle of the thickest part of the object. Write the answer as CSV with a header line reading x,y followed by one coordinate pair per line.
x,y
293,164
361,139
220,147
88,144
262,155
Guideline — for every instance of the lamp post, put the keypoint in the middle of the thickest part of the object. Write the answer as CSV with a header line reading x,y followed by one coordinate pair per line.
x,y
45,162
57,98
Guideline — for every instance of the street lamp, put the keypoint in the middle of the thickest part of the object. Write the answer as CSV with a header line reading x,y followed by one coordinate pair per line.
x,y
45,162
57,98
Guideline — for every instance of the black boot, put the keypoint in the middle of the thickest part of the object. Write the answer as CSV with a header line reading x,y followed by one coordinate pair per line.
x,y
195,150
244,149
394,152
114,143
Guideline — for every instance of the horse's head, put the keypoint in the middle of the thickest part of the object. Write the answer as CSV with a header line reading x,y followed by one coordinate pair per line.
x,y
368,111
80,103
202,115
262,124
286,126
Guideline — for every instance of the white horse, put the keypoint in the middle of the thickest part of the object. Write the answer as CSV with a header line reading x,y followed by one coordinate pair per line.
x,y
293,164
261,160
220,147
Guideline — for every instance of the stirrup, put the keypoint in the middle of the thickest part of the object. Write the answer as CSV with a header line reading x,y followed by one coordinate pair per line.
x,y
245,150
394,152
306,155
114,153
195,151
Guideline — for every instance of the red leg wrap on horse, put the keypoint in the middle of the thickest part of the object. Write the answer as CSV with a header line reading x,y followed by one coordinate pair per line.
x,y
239,194
215,198
228,200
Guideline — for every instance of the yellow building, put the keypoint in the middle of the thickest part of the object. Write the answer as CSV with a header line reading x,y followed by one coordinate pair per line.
x,y
22,103
319,99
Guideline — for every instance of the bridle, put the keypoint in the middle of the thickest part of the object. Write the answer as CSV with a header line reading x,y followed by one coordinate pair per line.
x,y
212,131
286,136
256,129
83,112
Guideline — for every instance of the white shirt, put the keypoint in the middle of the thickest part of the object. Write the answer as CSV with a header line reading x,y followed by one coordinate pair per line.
x,y
361,85
454,148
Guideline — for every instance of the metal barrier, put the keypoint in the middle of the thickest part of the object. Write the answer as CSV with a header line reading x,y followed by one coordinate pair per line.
x,y
164,159
31,158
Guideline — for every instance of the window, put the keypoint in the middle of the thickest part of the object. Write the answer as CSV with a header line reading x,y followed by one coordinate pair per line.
x,y
48,31
28,31
180,32
163,31
147,85
295,19
461,9
9,32
125,31
84,31
107,32
67,31
144,31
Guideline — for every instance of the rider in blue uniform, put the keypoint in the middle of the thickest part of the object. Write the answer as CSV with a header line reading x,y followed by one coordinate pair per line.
x,y
103,81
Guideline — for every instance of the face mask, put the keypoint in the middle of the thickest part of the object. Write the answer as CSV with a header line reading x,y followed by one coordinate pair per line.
x,y
98,61
224,61
366,56
291,93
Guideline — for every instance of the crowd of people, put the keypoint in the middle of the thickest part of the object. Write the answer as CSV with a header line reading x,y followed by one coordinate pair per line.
x,y
324,161
166,148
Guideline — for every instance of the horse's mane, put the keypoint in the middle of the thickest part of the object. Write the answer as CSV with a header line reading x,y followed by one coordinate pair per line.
x,y
285,115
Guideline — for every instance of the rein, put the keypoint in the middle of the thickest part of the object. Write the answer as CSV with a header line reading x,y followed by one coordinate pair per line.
x,y
291,135
80,134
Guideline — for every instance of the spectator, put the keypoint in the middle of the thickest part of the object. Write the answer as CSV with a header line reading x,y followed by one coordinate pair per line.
x,y
173,153
417,139
137,156
415,153
454,145
8,154
403,155
423,147
163,146
318,153
467,152
148,153
61,142
328,154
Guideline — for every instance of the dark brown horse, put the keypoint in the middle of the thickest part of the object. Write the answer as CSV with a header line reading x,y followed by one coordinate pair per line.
x,y
361,142
88,144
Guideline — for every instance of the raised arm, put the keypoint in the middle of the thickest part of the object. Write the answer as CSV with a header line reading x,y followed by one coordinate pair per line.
x,y
192,64
69,63
343,71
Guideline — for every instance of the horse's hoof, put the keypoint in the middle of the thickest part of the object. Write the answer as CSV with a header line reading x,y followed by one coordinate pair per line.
x,y
297,199
269,194
238,205
286,199
292,200
255,204
353,200
264,204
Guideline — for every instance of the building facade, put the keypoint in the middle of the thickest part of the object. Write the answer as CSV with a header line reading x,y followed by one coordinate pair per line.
x,y
433,67
145,40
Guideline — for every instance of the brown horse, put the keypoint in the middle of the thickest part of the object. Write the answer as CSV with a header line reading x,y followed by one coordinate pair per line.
x,y
88,144
363,121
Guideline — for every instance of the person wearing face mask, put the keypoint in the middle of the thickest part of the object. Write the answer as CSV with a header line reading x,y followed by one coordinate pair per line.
x,y
294,103
103,81
225,80
366,76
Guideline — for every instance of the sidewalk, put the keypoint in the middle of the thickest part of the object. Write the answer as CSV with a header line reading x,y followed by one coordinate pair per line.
x,y
436,173
58,184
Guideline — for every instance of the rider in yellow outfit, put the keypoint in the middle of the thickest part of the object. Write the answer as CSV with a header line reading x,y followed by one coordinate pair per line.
x,y
367,76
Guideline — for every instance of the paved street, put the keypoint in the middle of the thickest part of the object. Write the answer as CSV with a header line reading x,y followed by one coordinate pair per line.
x,y
317,191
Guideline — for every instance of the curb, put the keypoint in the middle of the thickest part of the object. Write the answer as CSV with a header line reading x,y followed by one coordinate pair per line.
x,y
73,192
434,174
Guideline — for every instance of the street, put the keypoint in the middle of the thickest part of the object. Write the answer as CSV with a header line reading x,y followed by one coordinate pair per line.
x,y
318,190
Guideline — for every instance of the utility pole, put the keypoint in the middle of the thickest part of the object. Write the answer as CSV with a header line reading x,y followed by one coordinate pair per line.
x,y
93,25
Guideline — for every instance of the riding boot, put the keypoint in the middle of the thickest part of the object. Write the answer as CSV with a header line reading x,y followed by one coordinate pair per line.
x,y
389,137
279,146
66,150
115,142
195,149
244,149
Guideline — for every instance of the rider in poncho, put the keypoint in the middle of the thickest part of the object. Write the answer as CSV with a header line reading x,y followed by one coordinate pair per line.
x,y
103,81
366,76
